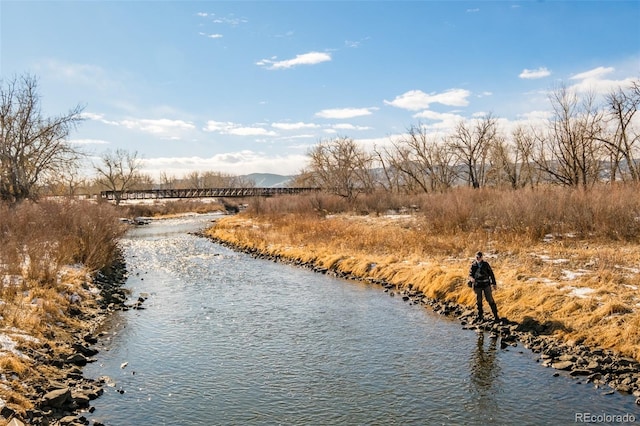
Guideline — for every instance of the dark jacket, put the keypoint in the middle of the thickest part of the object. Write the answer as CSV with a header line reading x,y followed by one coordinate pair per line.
x,y
485,269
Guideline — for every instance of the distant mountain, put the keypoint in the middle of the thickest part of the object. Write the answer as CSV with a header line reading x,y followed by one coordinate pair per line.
x,y
269,180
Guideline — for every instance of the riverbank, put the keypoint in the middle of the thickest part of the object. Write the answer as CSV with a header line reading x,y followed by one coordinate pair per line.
x,y
42,381
60,275
573,303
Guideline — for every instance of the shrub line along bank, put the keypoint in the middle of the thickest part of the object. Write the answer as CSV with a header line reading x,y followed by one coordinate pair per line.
x,y
605,369
63,396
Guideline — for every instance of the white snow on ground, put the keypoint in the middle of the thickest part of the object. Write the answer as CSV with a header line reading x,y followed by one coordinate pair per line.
x,y
8,344
572,275
566,275
548,259
581,293
546,281
632,270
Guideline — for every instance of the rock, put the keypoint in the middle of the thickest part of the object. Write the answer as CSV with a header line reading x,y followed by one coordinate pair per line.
x,y
81,399
567,357
594,376
77,359
57,398
6,412
84,350
593,366
15,422
68,420
562,365
580,372
92,340
623,388
627,361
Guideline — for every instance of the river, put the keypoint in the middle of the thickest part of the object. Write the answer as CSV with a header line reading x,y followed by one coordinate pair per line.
x,y
227,339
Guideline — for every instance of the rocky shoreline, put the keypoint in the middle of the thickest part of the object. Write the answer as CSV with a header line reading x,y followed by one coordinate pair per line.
x,y
606,370
65,395
64,398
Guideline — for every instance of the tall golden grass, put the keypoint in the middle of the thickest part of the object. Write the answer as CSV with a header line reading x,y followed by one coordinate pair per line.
x,y
47,252
566,258
170,207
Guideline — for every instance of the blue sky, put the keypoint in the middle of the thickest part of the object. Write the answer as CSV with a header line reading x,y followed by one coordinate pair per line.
x,y
241,87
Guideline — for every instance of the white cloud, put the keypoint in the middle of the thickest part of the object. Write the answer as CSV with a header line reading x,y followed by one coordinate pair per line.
x,y
230,162
311,58
88,142
98,117
211,35
160,127
251,131
163,127
229,128
535,74
593,74
84,74
342,113
231,20
594,81
442,120
294,126
414,100
347,126
535,116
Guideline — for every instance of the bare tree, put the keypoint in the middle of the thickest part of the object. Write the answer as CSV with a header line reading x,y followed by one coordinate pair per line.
x,y
503,166
67,183
32,146
524,141
420,161
410,158
341,167
471,141
569,152
392,179
511,162
167,181
142,181
623,140
118,171
195,180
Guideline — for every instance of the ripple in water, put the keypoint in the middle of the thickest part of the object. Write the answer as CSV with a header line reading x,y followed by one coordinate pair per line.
x,y
228,339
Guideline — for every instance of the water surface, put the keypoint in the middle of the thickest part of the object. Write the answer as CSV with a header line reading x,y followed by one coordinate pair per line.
x,y
227,339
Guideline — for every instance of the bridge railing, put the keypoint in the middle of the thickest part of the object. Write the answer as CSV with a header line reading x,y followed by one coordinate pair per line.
x,y
144,194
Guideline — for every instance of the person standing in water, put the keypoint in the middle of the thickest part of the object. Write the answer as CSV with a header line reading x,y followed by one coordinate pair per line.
x,y
482,279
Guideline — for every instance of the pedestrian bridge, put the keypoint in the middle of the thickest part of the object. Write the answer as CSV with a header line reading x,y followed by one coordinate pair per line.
x,y
152,194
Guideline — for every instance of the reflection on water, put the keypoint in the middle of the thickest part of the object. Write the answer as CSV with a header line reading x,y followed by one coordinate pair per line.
x,y
228,339
484,371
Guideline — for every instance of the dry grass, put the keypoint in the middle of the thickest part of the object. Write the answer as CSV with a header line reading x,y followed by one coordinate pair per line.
x,y
166,208
47,252
567,259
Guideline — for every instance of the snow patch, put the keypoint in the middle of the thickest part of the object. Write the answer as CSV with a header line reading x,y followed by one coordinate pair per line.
x,y
8,344
548,259
572,275
581,293
624,268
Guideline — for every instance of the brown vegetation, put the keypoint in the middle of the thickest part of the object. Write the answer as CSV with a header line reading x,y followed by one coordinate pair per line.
x,y
566,258
48,252
166,208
